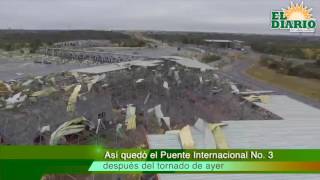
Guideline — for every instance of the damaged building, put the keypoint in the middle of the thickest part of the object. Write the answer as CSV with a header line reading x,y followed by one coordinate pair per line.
x,y
96,99
82,43
223,43
158,103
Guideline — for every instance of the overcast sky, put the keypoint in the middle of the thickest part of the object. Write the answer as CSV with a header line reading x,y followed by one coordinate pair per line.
x,y
243,16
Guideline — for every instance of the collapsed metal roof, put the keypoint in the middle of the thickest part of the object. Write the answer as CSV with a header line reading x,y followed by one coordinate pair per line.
x,y
117,66
145,63
201,136
288,108
190,63
249,134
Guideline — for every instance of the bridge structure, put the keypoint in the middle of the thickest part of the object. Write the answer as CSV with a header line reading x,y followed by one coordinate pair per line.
x,y
95,56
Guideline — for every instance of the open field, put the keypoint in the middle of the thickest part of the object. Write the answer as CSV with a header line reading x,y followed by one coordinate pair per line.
x,y
303,86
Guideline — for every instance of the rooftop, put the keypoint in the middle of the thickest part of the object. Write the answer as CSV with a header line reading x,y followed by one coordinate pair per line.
x,y
117,66
288,108
251,134
218,40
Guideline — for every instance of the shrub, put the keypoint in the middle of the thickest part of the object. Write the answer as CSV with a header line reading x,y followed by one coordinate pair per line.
x,y
210,58
8,47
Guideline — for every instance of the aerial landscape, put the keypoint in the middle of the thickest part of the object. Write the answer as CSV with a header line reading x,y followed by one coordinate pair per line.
x,y
81,87
160,89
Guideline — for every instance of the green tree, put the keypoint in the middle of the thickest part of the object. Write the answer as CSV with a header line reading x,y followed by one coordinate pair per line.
x,y
34,45
8,47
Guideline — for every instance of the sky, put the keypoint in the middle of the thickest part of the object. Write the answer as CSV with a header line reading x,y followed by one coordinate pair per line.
x,y
235,16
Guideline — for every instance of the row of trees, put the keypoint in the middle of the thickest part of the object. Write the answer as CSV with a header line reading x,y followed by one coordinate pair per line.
x,y
285,66
17,39
301,51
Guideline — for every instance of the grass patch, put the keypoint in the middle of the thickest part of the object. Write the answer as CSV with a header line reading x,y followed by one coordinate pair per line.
x,y
303,86
210,58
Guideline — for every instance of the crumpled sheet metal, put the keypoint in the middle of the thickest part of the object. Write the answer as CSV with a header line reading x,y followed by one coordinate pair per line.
x,y
139,80
70,127
94,80
166,85
5,89
44,92
73,99
186,138
262,98
234,88
15,100
131,117
219,137
159,115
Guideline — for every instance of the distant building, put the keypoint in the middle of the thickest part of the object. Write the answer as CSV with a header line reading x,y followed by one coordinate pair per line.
x,y
221,43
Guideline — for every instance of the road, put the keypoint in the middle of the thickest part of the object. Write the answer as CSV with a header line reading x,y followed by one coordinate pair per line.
x,y
16,69
237,72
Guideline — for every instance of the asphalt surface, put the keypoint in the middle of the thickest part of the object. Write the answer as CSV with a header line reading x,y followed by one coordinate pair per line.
x,y
236,72
16,69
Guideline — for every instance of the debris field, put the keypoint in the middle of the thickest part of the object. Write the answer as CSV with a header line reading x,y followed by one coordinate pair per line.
x,y
116,108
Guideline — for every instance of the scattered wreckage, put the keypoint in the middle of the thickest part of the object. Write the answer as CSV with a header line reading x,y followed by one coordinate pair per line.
x,y
114,101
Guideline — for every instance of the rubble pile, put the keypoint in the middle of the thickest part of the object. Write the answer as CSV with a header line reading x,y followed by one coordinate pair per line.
x,y
115,108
